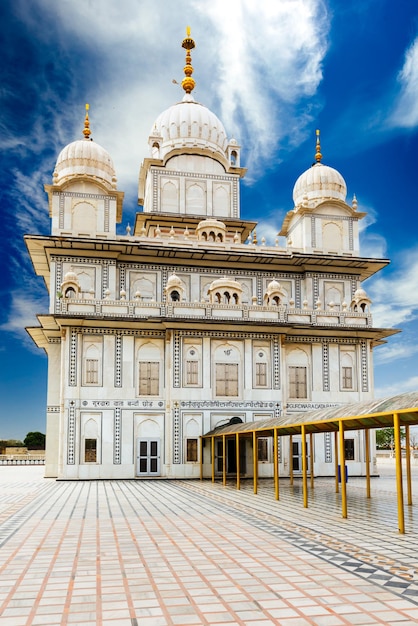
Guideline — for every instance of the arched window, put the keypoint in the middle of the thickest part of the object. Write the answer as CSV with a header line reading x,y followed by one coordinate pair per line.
x,y
227,297
175,296
70,292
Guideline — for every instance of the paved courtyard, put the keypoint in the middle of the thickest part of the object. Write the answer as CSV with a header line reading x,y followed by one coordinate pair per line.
x,y
156,553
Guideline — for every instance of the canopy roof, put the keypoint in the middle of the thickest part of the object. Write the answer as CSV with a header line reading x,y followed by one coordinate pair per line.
x,y
377,413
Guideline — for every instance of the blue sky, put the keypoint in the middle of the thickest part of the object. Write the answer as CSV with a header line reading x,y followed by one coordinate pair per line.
x,y
273,71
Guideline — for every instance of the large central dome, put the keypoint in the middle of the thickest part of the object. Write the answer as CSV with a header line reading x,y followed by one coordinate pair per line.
x,y
189,124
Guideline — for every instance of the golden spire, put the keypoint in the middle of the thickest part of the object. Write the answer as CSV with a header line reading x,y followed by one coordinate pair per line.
x,y
86,130
188,82
318,155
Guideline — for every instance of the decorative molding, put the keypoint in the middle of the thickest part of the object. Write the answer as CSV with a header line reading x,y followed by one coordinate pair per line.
x,y
315,339
58,282
328,447
73,358
122,277
176,359
325,366
61,210
298,293
315,288
354,284
53,409
313,231
118,360
106,214
235,201
71,435
259,287
350,235
105,278
115,331
225,334
176,435
117,428
364,368
276,362
77,194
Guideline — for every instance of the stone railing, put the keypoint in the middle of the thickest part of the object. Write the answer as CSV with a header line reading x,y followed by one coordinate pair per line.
x,y
22,459
205,311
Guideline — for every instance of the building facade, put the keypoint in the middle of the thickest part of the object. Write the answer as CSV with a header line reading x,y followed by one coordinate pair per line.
x,y
156,336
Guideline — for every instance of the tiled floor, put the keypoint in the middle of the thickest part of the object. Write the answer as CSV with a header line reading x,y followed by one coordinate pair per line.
x,y
156,553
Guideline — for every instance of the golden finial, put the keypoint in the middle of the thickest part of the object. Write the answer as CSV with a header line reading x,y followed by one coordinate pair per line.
x,y
188,43
318,155
86,130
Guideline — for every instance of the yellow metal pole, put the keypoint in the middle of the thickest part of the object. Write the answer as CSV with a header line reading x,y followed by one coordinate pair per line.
x,y
337,486
255,460
311,450
291,459
212,441
398,457
237,460
408,465
304,464
276,463
367,446
201,458
224,460
342,471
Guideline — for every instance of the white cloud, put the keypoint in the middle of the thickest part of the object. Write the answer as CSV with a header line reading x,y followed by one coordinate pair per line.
x,y
401,386
405,113
395,299
254,64
395,351
23,313
269,59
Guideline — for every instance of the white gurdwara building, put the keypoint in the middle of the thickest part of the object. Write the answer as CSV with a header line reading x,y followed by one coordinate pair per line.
x,y
157,336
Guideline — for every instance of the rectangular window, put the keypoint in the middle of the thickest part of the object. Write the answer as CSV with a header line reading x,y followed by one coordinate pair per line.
x,y
149,378
90,450
92,371
263,449
226,379
297,382
349,449
347,377
261,374
192,372
191,450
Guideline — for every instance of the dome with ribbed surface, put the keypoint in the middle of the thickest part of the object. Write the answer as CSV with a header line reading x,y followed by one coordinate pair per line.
x,y
85,157
189,124
319,182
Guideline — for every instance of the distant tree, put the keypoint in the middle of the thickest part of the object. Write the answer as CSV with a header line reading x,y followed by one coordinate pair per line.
x,y
10,443
35,441
385,438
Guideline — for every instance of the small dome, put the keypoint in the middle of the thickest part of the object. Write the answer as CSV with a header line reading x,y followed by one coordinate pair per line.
x,y
211,222
360,293
225,282
70,277
189,124
85,158
319,182
274,285
173,281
